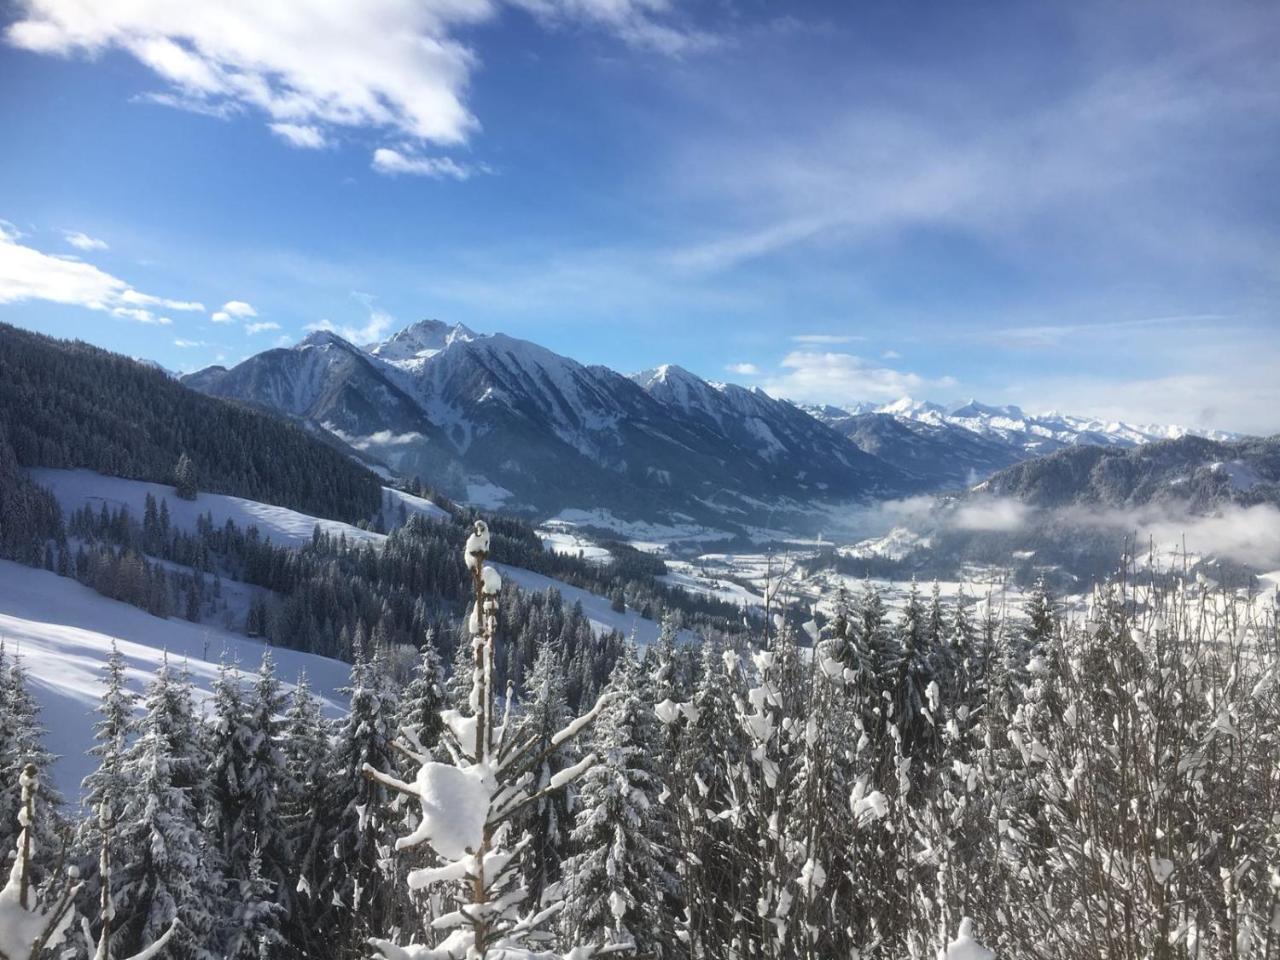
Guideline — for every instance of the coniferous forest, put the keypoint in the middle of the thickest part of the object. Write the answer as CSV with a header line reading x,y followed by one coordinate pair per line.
x,y
915,781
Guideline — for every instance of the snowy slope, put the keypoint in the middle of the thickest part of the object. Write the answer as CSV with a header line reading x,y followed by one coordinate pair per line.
x,y
74,488
285,527
63,632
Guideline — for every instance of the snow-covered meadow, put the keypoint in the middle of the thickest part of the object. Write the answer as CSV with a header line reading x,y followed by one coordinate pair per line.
x,y
63,632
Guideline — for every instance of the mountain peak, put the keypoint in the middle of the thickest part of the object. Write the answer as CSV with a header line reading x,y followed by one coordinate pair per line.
x,y
667,373
972,408
322,338
420,341
906,406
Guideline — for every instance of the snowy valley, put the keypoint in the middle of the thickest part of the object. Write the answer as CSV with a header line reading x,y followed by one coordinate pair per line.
x,y
799,733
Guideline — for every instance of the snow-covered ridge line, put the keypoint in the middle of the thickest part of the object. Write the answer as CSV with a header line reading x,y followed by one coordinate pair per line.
x,y
1009,420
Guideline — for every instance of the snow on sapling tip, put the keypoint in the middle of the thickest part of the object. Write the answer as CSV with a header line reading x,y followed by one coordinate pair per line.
x,y
32,920
965,947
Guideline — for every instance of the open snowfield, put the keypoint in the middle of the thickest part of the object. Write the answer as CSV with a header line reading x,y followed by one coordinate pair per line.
x,y
394,499
557,538
63,632
285,527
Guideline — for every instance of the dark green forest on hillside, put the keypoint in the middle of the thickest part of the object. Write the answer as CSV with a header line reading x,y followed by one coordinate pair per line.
x,y
67,404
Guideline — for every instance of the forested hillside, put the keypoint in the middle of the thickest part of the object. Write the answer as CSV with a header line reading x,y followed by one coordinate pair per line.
x,y
68,404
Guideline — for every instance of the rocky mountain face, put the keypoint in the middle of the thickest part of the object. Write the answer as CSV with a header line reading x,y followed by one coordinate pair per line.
x,y
1195,472
505,421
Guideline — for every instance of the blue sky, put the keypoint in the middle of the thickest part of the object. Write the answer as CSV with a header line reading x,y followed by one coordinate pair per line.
x,y
1066,206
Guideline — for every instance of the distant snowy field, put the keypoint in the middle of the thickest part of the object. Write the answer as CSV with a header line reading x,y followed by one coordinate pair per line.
x,y
285,527
63,631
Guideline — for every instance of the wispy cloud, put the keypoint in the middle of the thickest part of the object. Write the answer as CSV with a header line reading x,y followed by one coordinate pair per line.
x,y
844,378
379,323
29,274
743,369
82,241
261,327
239,309
303,136
1111,161
1052,336
393,162
825,338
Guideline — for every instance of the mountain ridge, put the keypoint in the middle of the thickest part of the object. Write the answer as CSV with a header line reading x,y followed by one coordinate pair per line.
x,y
543,433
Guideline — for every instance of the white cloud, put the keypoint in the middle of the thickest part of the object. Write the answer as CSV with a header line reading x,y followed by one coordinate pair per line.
x,y
139,315
186,344
996,515
843,378
393,162
29,274
221,316
1247,534
635,22
82,241
826,338
311,65
303,136
261,327
379,323
744,369
378,64
147,300
237,308
891,355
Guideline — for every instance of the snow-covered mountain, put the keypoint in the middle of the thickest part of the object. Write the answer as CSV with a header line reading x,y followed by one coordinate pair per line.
x,y
963,443
419,342
1203,474
541,432
504,422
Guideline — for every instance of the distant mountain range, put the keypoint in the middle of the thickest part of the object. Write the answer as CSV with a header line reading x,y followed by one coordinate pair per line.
x,y
1197,473
504,422
1070,515
963,444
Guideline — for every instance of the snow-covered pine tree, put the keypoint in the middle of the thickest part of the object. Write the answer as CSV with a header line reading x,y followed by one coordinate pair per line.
x,y
106,784
359,807
99,944
421,702
712,746
467,806
167,874
457,685
304,809
247,776
619,877
256,918
184,478
545,821
22,743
